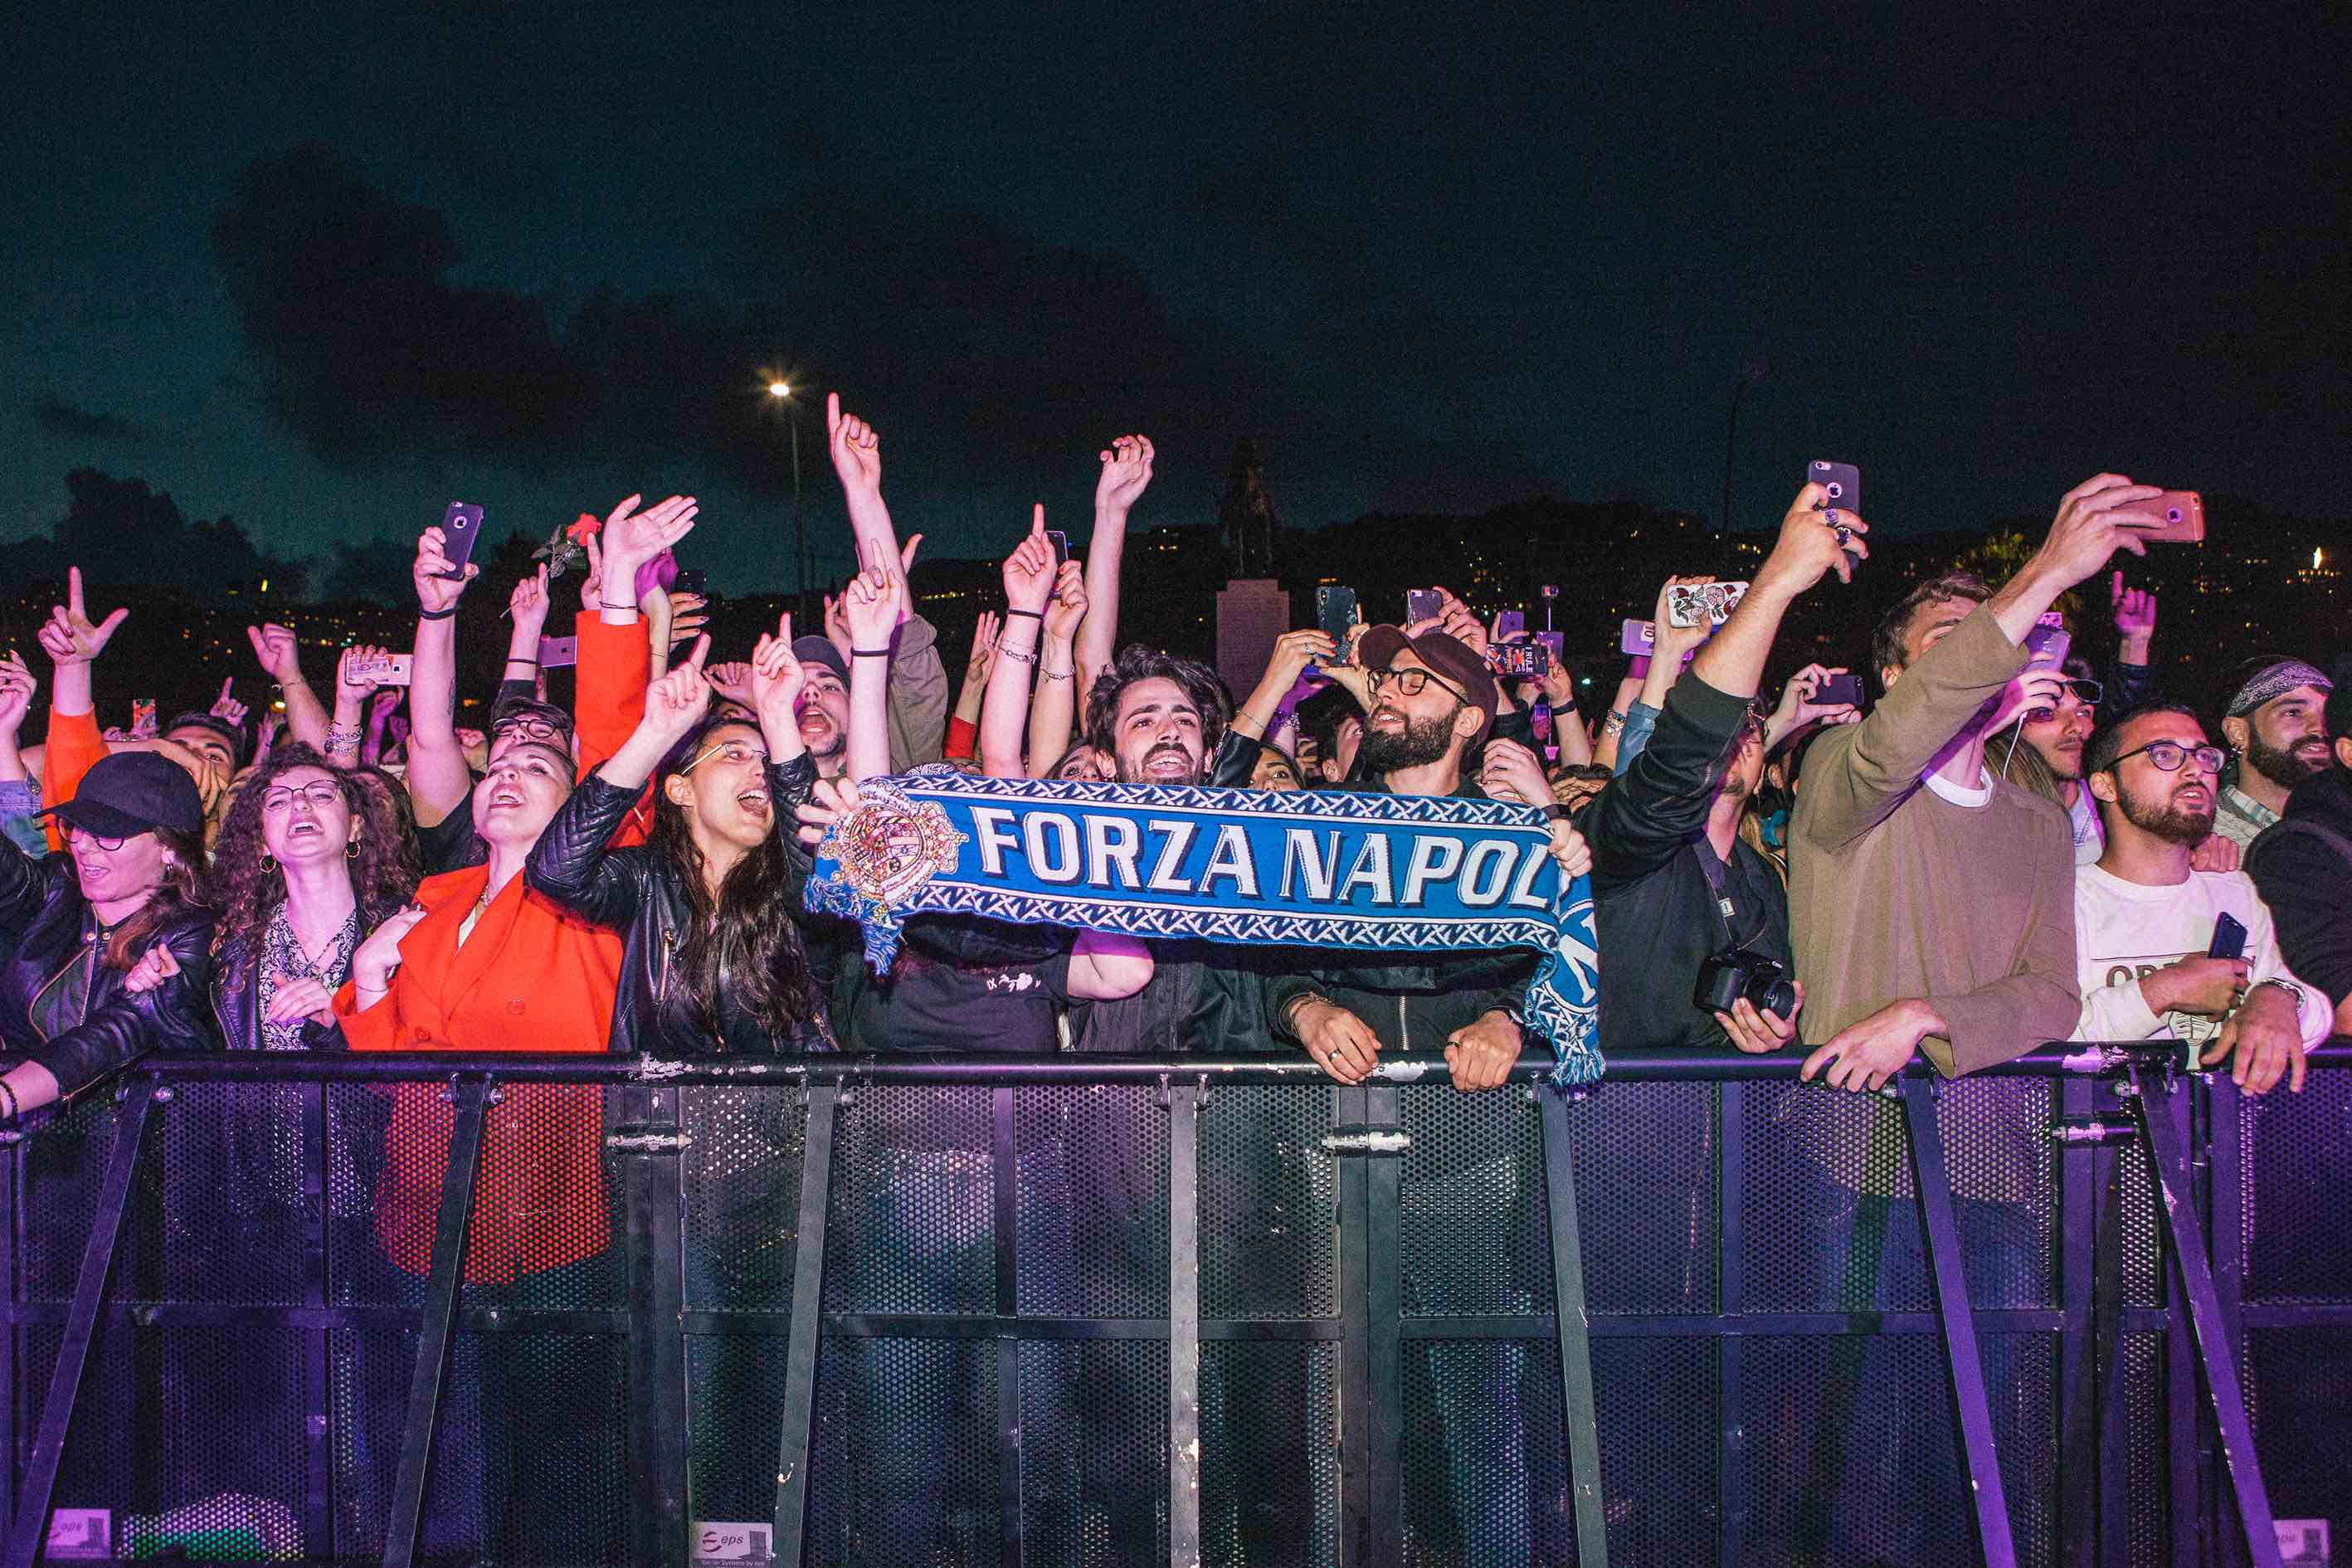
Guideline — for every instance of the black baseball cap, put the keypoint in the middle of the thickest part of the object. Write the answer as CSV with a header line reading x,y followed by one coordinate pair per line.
x,y
821,652
131,793
1445,654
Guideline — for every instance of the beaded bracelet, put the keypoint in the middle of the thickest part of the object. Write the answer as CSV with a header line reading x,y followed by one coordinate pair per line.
x,y
1016,655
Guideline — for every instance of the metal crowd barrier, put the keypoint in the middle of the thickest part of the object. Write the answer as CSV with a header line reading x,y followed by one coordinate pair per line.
x,y
1089,1310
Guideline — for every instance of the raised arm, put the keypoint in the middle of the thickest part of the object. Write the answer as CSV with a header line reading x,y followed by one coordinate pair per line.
x,y
73,643
856,453
281,660
870,604
439,781
1293,652
964,727
1126,475
1028,584
1055,706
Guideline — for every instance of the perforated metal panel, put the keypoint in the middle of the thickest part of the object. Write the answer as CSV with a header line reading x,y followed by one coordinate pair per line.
x,y
2297,1159
1661,1438
1091,1202
741,1176
2139,1228
219,1210
1646,1160
735,1403
1094,1452
903,1466
63,1166
2299,1385
1485,1464
1268,1205
2140,1364
1270,1452
912,1223
1474,1237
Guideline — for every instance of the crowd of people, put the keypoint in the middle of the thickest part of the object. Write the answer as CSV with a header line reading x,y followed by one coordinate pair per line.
x,y
1998,852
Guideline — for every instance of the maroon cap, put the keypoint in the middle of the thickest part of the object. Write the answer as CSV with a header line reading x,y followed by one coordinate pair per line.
x,y
1448,657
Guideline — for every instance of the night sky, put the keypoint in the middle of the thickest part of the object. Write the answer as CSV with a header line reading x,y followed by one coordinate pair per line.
x,y
326,268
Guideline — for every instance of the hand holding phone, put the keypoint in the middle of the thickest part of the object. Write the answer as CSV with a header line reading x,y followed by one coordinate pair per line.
x,y
389,669
1692,604
2184,519
2229,937
1335,616
461,524
1838,689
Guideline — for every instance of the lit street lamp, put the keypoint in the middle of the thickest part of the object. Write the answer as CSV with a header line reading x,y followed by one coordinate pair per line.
x,y
782,391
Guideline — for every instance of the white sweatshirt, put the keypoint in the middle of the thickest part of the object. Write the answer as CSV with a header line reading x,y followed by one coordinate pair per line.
x,y
2123,930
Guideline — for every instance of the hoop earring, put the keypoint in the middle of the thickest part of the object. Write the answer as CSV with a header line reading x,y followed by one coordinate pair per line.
x,y
269,862
350,849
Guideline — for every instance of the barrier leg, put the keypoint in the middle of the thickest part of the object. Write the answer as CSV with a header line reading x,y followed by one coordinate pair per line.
x,y
657,1335
1578,1411
439,1327
2162,1109
1970,1413
28,1530
808,1320
1183,1326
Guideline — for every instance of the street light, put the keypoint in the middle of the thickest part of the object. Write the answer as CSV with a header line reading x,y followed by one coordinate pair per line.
x,y
782,391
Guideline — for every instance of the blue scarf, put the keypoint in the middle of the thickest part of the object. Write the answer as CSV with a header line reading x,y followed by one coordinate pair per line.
x,y
1343,869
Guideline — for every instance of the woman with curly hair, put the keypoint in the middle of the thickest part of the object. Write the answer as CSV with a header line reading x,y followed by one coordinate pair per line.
x,y
310,860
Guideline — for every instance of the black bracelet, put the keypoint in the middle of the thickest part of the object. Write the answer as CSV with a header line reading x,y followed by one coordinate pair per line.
x,y
869,653
437,614
15,1110
1033,615
532,662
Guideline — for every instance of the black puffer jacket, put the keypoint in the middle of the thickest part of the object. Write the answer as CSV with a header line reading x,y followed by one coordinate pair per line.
x,y
106,1030
638,891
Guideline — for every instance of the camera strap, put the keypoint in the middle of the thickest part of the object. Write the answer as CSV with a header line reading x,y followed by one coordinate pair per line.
x,y
1718,883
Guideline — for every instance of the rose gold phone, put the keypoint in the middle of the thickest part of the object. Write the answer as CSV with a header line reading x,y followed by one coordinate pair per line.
x,y
2184,519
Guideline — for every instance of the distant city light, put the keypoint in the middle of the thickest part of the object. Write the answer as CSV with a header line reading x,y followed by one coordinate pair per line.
x,y
780,389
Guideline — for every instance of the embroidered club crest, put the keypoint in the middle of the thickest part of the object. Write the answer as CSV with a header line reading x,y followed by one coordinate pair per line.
x,y
891,846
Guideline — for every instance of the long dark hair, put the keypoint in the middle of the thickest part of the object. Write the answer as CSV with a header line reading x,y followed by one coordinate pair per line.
x,y
252,887
181,889
743,931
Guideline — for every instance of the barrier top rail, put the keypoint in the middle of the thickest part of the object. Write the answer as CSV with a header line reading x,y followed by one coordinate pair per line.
x,y
1654,1065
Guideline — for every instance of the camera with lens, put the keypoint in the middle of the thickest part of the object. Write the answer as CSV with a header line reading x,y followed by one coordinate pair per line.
x,y
1735,971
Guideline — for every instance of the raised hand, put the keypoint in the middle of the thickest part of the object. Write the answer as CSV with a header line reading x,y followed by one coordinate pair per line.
x,y
675,703
1798,705
1675,641
631,538
1293,652
2098,517
1126,473
1509,771
1068,606
870,604
984,647
227,706
2037,689
732,680
527,606
688,614
857,450
15,692
1814,543
2135,618
776,677
1029,569
436,593
68,636
591,582
828,803
352,680
275,649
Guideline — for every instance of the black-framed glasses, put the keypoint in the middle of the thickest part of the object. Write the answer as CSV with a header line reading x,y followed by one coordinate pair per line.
x,y
2169,755
1412,682
531,729
100,839
2086,692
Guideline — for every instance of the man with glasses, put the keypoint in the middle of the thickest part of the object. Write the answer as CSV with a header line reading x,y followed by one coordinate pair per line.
x,y
2145,919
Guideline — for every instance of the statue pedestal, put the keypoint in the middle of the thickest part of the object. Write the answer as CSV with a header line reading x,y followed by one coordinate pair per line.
x,y
1252,615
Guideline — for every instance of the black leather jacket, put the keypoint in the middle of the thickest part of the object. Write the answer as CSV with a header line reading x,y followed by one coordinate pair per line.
x,y
638,892
236,994
42,899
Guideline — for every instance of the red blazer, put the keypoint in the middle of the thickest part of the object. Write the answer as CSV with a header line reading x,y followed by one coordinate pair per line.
x,y
531,978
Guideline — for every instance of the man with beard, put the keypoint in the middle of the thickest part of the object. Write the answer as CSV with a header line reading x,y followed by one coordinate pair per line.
x,y
2303,863
2144,917
2274,722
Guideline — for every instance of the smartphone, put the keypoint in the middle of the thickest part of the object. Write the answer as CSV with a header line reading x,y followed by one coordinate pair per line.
x,y
1558,643
1846,689
1510,624
143,716
1422,605
2046,646
558,653
391,669
1335,614
696,581
1841,480
2229,937
460,526
1520,661
1641,636
2184,519
1689,603
1061,543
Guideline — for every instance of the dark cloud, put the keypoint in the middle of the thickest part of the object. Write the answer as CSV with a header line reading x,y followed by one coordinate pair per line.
x,y
85,425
